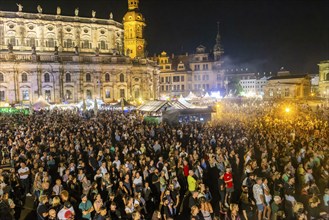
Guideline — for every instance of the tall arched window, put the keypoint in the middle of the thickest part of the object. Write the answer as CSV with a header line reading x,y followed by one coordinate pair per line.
x,y
122,77
68,77
88,77
24,77
103,45
107,77
326,78
47,77
1,77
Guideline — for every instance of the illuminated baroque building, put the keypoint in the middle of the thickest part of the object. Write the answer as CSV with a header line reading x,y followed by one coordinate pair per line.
x,y
134,24
187,73
199,73
70,58
324,78
203,72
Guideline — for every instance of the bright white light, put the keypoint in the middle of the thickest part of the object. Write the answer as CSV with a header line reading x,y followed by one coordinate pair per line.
x,y
215,95
164,98
90,104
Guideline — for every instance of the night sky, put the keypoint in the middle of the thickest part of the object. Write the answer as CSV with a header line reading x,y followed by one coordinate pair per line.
x,y
262,35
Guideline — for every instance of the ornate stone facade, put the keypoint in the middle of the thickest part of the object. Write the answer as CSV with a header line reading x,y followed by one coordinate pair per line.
x,y
134,24
69,58
200,72
324,78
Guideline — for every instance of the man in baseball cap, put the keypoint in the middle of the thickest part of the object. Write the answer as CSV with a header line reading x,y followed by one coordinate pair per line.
x,y
67,212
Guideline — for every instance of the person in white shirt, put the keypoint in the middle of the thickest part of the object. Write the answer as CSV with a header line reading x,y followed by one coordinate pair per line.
x,y
138,182
259,197
57,189
24,173
117,162
103,168
67,212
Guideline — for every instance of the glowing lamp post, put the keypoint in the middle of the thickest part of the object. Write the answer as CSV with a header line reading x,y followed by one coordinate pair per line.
x,y
287,109
218,110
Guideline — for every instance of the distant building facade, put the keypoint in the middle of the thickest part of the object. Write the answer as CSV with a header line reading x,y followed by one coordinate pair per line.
x,y
252,86
70,58
286,86
324,78
200,72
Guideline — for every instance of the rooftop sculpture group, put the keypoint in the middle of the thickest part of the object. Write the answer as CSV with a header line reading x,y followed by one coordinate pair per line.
x,y
59,11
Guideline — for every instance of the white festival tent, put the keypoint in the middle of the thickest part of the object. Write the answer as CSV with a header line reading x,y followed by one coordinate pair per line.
x,y
206,96
41,103
191,96
185,103
90,104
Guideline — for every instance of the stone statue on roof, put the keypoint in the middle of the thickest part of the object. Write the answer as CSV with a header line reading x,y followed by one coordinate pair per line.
x,y
20,7
76,50
56,50
93,13
76,12
33,50
111,16
10,48
59,10
39,9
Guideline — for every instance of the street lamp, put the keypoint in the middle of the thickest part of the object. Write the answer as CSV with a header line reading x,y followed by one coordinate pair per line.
x,y
218,110
287,109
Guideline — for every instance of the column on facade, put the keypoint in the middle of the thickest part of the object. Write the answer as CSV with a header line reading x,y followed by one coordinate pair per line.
x,y
156,87
11,86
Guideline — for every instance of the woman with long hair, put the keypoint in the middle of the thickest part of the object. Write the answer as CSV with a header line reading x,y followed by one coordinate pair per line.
x,y
206,209
98,203
163,183
56,204
233,213
195,215
268,198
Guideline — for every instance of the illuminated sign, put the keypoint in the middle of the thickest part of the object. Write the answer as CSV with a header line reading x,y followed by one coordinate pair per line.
x,y
11,111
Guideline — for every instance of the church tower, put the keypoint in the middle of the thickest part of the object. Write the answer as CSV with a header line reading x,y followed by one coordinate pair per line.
x,y
218,51
134,24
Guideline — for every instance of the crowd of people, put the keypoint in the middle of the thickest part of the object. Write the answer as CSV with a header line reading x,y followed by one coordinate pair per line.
x,y
252,162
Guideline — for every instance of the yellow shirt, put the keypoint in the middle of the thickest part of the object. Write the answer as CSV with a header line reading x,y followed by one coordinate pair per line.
x,y
191,183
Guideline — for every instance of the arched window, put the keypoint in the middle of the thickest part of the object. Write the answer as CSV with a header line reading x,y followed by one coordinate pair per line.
x,y
68,77
107,77
47,77
326,77
1,77
88,77
24,77
103,45
50,42
122,77
68,43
